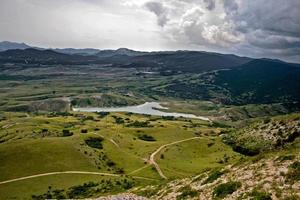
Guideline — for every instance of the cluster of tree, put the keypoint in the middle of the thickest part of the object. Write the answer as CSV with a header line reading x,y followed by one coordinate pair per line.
x,y
94,142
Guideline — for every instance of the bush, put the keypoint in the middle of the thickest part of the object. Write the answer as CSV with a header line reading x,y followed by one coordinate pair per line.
x,y
44,130
145,137
224,189
257,195
94,142
245,151
168,117
214,175
89,118
110,163
139,124
286,157
186,193
84,130
66,133
50,194
102,114
81,190
293,174
119,120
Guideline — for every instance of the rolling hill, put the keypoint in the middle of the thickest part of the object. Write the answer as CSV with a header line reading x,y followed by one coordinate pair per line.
x,y
36,56
6,45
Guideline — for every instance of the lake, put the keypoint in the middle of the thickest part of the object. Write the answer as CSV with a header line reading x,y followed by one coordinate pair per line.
x,y
148,108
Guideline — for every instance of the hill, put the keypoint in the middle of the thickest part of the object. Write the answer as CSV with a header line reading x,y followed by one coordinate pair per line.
x,y
189,61
256,82
36,56
120,51
262,81
5,45
83,52
270,175
177,61
265,135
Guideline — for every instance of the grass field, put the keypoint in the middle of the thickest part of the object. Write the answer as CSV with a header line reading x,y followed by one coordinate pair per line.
x,y
35,144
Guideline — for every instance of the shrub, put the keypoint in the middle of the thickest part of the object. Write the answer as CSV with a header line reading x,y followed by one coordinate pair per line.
x,y
119,120
224,189
214,175
210,144
110,163
245,151
55,194
94,142
81,190
186,193
139,124
84,130
44,130
89,118
146,137
286,157
257,195
293,174
66,133
102,114
168,117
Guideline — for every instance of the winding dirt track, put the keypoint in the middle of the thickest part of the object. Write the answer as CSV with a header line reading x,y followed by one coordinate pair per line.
x,y
151,161
152,156
70,172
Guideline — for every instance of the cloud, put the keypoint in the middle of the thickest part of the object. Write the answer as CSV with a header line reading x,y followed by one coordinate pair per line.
x,y
210,4
195,22
159,10
267,27
230,6
261,28
198,28
273,27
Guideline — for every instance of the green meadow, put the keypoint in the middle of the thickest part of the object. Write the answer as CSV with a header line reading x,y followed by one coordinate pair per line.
x,y
113,143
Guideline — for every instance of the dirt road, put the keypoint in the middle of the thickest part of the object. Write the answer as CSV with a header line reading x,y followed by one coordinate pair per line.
x,y
152,156
69,172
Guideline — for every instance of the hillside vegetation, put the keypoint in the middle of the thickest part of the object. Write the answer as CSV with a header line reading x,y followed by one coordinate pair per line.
x,y
274,174
265,135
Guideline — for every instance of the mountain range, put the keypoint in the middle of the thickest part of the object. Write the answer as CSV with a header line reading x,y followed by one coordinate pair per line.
x,y
6,45
227,78
175,61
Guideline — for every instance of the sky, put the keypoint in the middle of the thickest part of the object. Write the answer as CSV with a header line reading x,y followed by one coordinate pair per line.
x,y
255,28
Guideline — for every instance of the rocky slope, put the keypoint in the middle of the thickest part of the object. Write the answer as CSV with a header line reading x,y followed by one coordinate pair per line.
x,y
275,178
274,174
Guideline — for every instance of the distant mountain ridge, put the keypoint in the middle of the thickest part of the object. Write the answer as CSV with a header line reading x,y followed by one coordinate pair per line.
x,y
176,61
224,78
83,52
36,56
6,45
162,61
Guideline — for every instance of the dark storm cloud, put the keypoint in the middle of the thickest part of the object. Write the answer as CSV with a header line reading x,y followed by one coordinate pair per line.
x,y
230,6
270,24
249,27
158,9
268,27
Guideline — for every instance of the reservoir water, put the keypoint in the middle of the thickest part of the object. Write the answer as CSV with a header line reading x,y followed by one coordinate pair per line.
x,y
148,108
